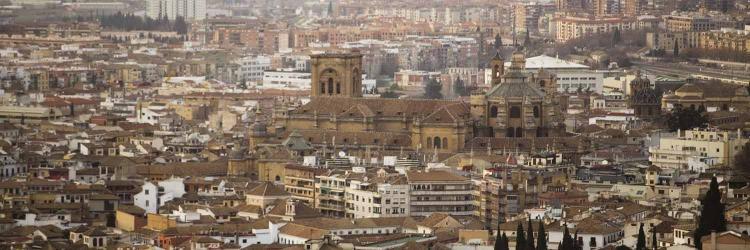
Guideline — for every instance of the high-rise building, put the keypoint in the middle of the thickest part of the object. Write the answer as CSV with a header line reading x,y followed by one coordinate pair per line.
x,y
527,16
606,7
188,9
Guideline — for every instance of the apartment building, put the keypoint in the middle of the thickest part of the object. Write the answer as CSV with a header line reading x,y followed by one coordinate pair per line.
x,y
285,79
440,191
251,68
379,196
299,181
572,27
726,38
527,16
330,192
693,21
189,9
717,146
666,40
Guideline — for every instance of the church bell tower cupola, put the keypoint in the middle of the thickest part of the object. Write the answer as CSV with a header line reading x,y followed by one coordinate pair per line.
x,y
336,74
498,69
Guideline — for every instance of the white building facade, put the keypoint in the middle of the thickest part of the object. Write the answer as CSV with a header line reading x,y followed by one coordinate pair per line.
x,y
188,9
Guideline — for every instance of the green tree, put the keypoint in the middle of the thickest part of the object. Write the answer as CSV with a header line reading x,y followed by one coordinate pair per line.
x,y
330,8
675,49
616,36
530,236
520,238
685,118
567,241
641,244
501,242
541,238
433,89
742,160
712,214
498,42
654,242
180,26
459,88
527,40
389,94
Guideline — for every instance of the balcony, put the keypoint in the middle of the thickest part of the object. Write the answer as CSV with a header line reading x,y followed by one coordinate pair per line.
x,y
331,207
438,203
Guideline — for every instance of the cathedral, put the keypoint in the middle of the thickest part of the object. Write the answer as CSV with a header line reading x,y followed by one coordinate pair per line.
x,y
518,105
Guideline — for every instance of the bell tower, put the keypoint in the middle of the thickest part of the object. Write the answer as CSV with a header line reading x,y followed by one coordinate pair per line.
x,y
498,69
336,74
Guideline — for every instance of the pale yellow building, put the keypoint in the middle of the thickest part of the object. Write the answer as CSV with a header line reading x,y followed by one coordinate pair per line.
x,y
713,146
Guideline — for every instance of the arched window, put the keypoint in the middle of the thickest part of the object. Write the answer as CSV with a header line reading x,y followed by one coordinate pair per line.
x,y
536,111
519,132
497,71
322,87
436,143
330,86
493,111
278,178
510,132
515,112
338,88
445,142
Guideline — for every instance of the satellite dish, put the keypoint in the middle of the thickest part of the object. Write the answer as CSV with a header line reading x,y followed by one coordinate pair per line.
x,y
342,154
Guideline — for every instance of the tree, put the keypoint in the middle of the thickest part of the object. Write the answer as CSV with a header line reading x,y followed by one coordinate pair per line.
x,y
616,37
577,242
330,9
712,214
180,26
567,241
541,238
654,242
432,90
675,49
685,118
530,236
742,160
501,242
641,244
527,40
389,94
459,88
520,238
498,42
622,248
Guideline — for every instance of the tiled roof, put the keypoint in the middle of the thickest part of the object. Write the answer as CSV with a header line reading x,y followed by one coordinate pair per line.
x,y
267,189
